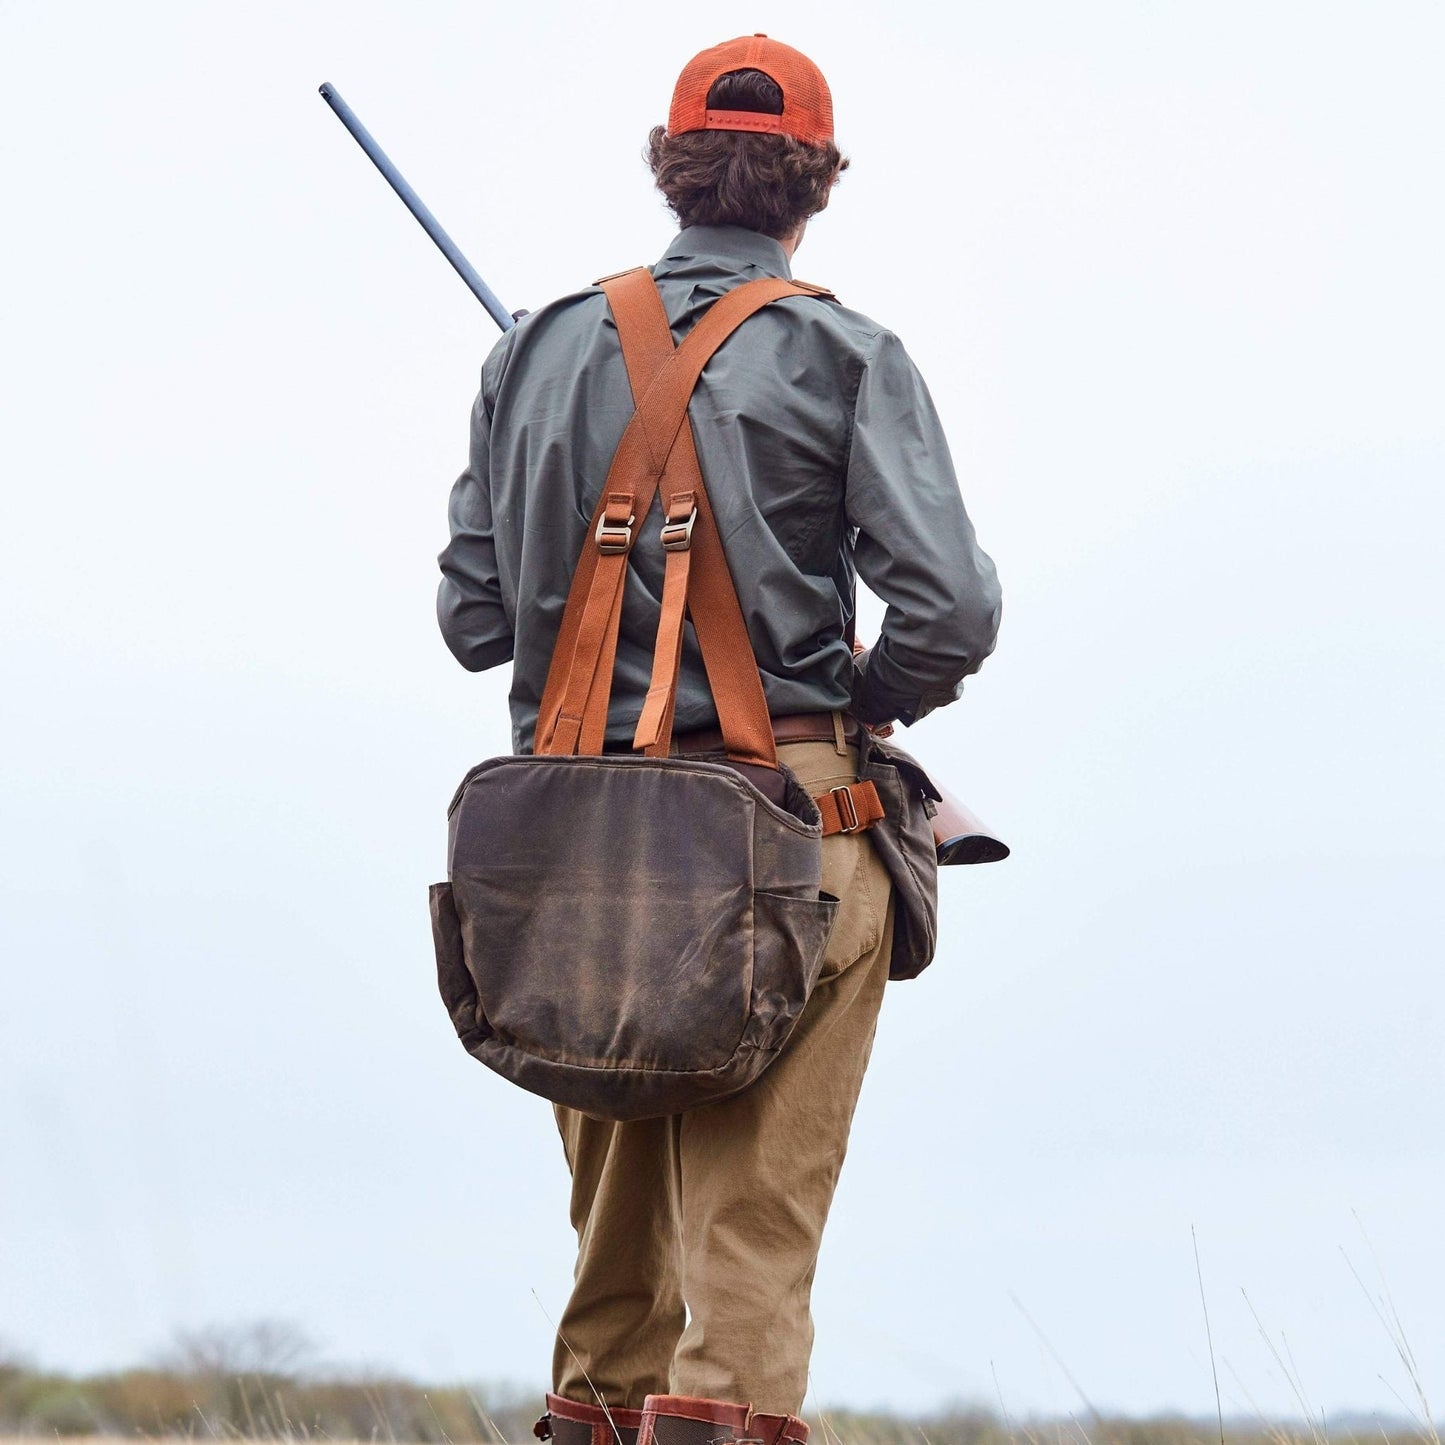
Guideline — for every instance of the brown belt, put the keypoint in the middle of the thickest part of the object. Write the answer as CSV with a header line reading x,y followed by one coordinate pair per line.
x,y
798,727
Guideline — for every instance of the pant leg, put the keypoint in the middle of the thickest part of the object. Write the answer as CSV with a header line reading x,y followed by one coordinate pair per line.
x,y
758,1171
620,1327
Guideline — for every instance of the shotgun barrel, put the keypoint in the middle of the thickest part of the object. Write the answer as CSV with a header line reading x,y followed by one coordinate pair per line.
x,y
417,207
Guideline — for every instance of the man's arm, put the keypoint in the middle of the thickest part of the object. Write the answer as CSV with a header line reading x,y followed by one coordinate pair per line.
x,y
473,620
915,548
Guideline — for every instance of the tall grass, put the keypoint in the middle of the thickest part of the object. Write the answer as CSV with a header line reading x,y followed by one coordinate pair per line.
x,y
210,1404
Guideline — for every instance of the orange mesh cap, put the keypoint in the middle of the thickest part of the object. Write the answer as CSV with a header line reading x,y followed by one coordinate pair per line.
x,y
807,102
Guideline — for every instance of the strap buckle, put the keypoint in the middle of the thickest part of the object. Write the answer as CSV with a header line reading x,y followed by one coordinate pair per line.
x,y
847,809
677,536
615,537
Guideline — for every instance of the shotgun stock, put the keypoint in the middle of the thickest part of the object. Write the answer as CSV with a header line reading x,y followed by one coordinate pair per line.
x,y
961,836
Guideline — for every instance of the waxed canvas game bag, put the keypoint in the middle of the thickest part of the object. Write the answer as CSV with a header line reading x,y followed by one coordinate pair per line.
x,y
636,934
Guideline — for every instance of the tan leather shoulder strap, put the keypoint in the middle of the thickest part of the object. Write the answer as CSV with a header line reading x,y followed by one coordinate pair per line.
x,y
657,448
635,306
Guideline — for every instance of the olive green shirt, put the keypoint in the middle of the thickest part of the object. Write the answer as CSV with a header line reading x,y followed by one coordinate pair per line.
x,y
823,458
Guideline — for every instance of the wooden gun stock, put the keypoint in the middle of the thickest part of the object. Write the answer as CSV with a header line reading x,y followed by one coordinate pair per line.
x,y
958,833
961,837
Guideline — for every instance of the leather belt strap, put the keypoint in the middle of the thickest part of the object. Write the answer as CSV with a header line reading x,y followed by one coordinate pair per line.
x,y
851,809
657,449
797,727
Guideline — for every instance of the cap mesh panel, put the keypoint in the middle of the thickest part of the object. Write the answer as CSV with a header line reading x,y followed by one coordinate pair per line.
x,y
807,102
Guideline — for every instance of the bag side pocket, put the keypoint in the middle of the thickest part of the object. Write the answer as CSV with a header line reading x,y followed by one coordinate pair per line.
x,y
790,939
904,840
458,991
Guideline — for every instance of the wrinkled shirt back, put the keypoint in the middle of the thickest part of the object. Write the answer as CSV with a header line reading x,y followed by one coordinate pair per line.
x,y
822,455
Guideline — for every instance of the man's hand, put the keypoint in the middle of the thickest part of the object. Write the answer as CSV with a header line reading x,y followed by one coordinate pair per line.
x,y
878,730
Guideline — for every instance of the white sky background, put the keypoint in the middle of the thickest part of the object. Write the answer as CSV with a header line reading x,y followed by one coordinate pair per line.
x,y
1173,273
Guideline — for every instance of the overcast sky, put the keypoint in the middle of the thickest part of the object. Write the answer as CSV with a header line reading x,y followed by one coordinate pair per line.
x,y
1173,272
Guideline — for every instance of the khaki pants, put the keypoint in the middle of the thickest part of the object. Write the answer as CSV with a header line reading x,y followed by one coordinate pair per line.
x,y
698,1234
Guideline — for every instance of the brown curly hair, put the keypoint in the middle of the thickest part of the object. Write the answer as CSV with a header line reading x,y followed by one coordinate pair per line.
x,y
767,183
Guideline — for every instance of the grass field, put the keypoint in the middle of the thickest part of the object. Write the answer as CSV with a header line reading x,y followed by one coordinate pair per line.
x,y
973,1430
252,1386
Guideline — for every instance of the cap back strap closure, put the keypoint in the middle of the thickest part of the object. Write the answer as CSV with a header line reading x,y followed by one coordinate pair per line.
x,y
765,123
657,448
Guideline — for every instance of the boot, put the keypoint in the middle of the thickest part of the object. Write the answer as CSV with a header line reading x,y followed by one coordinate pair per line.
x,y
569,1423
690,1420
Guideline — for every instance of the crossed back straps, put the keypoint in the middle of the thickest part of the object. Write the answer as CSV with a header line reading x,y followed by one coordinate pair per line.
x,y
657,453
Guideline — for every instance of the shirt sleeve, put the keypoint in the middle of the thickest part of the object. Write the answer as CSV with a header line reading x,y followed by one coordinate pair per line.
x,y
915,547
470,609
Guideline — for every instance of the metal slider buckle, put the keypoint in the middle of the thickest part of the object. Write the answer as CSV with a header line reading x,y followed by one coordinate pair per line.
x,y
614,537
677,536
847,809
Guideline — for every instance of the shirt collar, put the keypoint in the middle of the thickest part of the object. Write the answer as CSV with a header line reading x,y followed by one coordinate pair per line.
x,y
731,243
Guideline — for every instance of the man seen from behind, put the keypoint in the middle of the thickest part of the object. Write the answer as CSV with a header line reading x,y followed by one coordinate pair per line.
x,y
824,460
